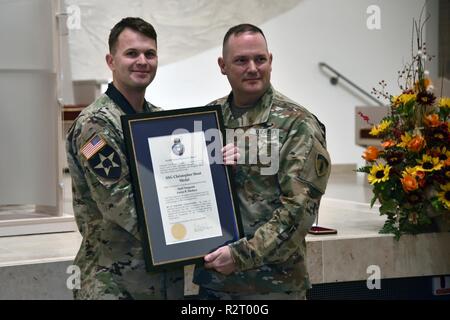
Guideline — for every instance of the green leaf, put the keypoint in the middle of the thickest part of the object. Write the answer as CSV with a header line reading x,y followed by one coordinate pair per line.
x,y
389,227
436,203
389,206
365,169
372,202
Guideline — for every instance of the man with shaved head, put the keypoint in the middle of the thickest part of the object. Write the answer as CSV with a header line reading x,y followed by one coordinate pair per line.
x,y
277,208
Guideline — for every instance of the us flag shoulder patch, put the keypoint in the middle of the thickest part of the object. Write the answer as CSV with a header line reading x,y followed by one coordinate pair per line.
x,y
91,147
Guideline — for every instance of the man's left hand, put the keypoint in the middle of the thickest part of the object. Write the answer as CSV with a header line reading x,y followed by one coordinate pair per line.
x,y
230,154
221,261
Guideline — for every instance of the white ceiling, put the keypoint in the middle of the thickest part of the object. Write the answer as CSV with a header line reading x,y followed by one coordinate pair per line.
x,y
185,28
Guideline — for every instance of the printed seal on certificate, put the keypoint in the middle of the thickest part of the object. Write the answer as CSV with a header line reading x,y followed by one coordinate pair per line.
x,y
178,147
179,231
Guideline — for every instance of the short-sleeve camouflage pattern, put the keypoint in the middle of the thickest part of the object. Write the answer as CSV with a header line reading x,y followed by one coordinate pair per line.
x,y
277,210
110,257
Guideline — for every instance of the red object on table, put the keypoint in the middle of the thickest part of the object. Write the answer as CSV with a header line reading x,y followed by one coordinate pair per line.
x,y
321,230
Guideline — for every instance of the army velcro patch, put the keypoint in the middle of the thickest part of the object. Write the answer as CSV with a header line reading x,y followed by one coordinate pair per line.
x,y
322,165
106,163
316,169
92,146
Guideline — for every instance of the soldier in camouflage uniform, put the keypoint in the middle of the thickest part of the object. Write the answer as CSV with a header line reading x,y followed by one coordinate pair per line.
x,y
277,209
110,257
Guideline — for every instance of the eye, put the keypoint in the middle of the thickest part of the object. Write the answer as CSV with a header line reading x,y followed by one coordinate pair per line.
x,y
240,60
150,54
131,54
261,59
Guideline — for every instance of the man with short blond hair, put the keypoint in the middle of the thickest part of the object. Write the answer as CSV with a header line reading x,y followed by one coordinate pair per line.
x,y
111,257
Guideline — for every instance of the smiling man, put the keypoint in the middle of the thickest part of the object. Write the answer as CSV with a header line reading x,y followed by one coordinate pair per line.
x,y
133,61
247,64
110,257
279,208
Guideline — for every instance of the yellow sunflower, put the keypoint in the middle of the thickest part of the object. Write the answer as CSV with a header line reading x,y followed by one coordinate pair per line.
x,y
444,102
444,196
429,163
379,173
443,154
406,138
402,99
412,171
379,129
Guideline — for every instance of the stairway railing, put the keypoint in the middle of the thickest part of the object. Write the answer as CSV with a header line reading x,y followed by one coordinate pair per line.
x,y
337,75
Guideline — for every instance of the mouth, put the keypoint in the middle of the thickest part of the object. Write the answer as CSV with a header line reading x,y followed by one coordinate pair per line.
x,y
141,75
252,80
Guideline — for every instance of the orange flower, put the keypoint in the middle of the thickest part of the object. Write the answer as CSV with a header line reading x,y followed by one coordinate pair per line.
x,y
388,143
409,183
421,176
416,144
432,120
371,153
426,82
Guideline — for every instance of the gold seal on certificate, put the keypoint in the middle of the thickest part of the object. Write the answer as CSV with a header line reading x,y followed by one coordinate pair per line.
x,y
179,231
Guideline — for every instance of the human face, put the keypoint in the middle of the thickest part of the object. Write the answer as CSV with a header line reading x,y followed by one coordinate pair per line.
x,y
133,62
247,64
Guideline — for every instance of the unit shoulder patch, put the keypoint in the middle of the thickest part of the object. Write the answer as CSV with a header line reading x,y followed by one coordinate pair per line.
x,y
106,163
322,165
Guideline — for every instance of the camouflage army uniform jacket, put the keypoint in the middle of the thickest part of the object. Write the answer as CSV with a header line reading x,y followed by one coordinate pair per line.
x,y
110,257
277,210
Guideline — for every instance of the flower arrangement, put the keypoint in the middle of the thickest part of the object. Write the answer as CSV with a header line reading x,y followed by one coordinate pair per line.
x,y
410,172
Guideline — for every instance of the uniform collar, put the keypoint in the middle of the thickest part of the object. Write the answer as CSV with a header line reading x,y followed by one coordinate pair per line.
x,y
256,115
119,99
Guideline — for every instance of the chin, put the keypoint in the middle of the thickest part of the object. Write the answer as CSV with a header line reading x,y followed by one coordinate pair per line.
x,y
141,83
254,90
254,86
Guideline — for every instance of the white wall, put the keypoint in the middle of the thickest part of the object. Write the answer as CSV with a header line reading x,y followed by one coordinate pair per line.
x,y
28,107
334,32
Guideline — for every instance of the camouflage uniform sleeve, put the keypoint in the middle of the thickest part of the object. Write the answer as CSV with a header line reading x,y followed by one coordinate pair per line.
x,y
303,176
104,178
85,208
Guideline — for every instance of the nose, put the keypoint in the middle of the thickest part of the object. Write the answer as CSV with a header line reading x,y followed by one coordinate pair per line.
x,y
141,59
252,66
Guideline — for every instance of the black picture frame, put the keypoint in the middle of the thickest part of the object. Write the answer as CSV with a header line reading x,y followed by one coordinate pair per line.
x,y
137,129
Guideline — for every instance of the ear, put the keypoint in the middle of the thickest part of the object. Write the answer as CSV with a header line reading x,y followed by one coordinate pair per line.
x,y
221,63
270,60
110,61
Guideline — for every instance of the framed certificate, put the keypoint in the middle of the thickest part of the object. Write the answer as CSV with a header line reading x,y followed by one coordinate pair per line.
x,y
184,197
